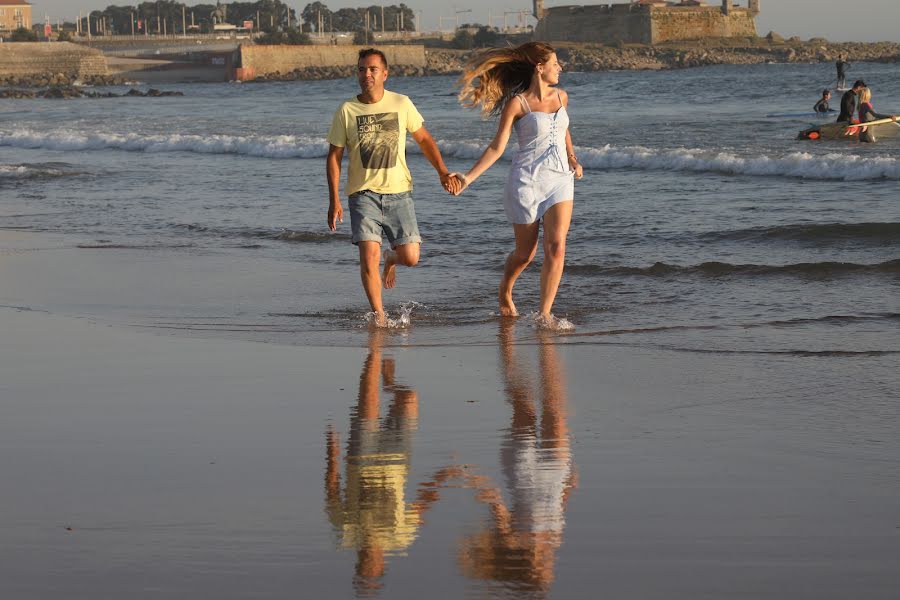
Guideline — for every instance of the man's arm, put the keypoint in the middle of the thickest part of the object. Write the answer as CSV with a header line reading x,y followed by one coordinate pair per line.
x,y
333,172
433,154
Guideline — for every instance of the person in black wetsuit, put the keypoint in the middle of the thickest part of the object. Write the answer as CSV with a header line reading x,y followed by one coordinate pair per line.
x,y
822,105
842,66
849,101
867,114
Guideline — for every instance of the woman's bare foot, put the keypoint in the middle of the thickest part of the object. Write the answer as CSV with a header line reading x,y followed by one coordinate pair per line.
x,y
507,308
389,274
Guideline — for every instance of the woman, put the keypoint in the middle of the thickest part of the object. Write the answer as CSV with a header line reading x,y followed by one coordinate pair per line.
x,y
518,84
867,113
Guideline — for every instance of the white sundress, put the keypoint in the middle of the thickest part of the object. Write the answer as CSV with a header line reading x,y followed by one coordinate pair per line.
x,y
540,176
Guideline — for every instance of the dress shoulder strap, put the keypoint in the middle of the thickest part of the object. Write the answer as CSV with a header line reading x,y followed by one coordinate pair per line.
x,y
558,97
524,103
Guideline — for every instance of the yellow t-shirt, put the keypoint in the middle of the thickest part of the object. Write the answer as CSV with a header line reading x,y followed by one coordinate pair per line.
x,y
375,135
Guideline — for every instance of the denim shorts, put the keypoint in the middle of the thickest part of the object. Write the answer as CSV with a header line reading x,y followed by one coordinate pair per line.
x,y
373,214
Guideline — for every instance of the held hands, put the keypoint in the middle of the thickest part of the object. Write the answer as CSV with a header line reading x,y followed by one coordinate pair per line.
x,y
335,214
451,183
461,183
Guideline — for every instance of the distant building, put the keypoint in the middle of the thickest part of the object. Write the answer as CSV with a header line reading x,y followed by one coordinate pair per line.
x,y
644,21
14,14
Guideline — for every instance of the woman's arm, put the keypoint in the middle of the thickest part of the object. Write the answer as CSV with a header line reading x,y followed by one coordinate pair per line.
x,y
495,149
570,147
878,115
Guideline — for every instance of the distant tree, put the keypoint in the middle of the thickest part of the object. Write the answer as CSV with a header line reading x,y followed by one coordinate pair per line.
x,y
273,14
392,17
396,17
360,38
464,40
291,37
23,35
64,36
311,13
350,19
486,37
152,15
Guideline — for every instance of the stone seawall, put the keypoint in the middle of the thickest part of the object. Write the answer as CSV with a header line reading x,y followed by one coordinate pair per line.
x,y
277,62
595,23
637,24
675,23
60,60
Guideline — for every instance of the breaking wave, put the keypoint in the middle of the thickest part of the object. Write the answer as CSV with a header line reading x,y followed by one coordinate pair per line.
x,y
279,234
834,166
281,146
876,233
844,167
720,269
33,171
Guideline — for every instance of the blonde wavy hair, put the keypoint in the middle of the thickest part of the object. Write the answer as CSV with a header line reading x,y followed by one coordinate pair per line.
x,y
494,76
865,95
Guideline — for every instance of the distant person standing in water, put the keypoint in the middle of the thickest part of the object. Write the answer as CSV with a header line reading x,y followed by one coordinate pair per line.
x,y
373,126
519,85
849,102
842,66
822,105
867,114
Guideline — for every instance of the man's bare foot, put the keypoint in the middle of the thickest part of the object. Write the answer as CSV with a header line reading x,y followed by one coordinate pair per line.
x,y
389,274
378,319
507,308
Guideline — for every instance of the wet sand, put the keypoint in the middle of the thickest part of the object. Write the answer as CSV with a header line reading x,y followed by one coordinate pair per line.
x,y
140,464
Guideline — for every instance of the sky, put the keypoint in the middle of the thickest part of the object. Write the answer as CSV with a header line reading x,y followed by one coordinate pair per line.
x,y
860,20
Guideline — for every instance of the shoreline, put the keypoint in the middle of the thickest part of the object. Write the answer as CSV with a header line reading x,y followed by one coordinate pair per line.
x,y
445,61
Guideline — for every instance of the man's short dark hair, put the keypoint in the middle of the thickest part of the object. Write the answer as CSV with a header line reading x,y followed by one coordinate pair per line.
x,y
366,52
859,83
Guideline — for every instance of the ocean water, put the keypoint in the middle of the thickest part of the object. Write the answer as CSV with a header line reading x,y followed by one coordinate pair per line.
x,y
699,224
721,422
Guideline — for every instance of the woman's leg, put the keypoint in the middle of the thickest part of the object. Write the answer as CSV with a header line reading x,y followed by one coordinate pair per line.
x,y
556,228
518,259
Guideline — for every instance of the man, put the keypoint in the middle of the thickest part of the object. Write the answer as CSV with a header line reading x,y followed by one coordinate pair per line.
x,y
373,126
821,106
849,101
842,66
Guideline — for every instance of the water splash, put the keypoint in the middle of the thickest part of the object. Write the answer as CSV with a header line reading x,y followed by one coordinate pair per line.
x,y
551,323
403,319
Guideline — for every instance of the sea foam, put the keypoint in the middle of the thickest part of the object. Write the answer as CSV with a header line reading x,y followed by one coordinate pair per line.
x,y
804,165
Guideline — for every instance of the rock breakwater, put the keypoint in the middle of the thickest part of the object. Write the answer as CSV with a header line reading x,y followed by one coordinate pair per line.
x,y
64,93
58,80
583,57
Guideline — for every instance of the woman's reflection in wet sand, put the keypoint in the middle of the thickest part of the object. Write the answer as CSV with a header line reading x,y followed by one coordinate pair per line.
x,y
517,548
370,512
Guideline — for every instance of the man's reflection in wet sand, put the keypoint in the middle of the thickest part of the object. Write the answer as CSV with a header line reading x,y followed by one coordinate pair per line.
x,y
370,512
518,546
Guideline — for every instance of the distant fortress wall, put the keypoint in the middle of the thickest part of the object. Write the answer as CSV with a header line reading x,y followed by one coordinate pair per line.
x,y
27,59
687,23
258,61
595,23
642,23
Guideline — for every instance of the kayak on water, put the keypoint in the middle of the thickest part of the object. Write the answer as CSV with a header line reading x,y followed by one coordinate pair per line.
x,y
884,128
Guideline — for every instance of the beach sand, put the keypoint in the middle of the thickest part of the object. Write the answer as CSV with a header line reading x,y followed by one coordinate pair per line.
x,y
141,464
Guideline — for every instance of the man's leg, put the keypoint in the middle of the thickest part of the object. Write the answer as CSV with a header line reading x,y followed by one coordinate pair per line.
x,y
406,255
369,259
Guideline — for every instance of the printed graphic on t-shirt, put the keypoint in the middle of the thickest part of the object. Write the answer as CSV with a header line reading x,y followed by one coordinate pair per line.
x,y
378,140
